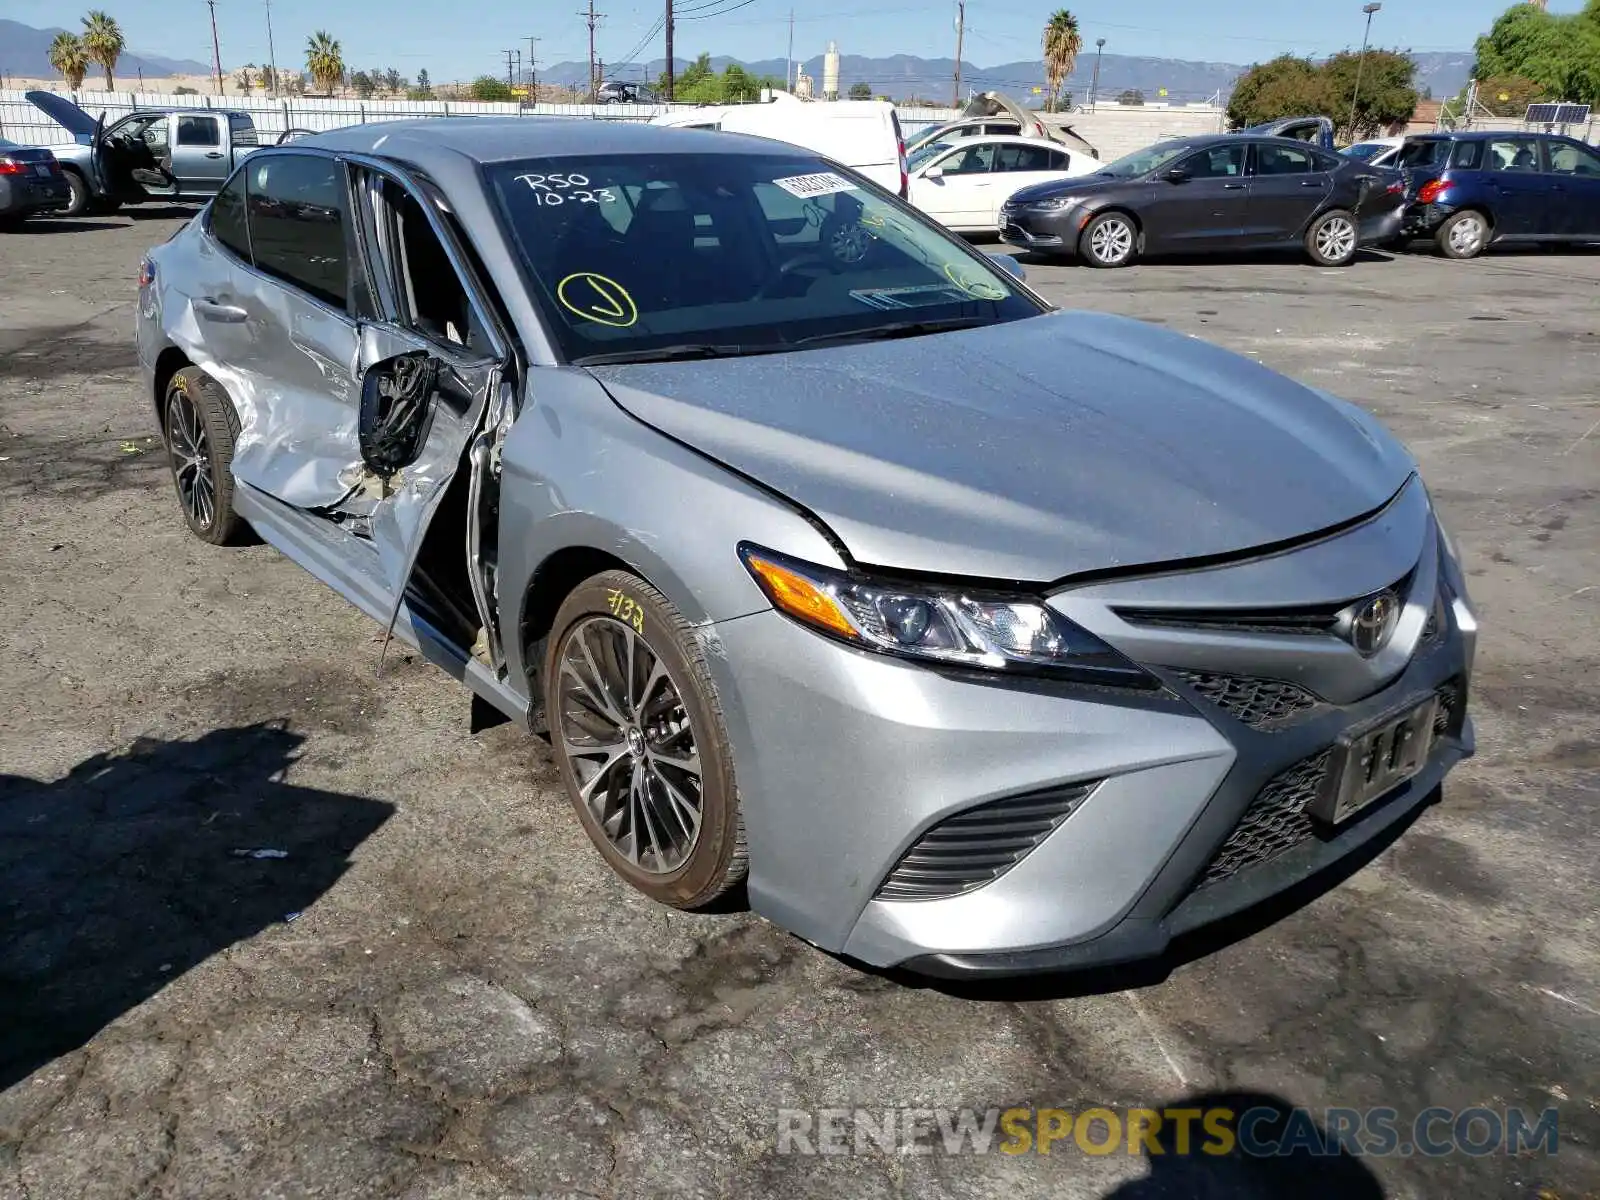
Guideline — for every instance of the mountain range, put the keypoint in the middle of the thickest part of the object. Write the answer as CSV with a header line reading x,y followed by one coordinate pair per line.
x,y
25,51
906,76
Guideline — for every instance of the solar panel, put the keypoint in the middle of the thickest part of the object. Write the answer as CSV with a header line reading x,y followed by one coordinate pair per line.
x,y
1557,114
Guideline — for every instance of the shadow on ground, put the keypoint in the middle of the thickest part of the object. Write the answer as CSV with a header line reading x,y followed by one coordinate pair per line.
x,y
122,876
1278,1154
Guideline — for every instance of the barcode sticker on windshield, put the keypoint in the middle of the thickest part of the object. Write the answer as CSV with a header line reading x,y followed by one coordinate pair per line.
x,y
820,184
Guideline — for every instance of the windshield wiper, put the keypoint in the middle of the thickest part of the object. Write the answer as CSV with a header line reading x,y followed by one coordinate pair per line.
x,y
896,329
665,354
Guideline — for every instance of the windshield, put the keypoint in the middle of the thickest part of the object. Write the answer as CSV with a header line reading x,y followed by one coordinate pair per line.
x,y
924,153
652,255
1366,151
1142,162
1423,154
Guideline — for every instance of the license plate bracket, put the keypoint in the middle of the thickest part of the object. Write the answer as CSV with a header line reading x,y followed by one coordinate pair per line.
x,y
1373,760
42,169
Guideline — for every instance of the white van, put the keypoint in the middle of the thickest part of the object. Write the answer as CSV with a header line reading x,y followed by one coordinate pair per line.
x,y
863,134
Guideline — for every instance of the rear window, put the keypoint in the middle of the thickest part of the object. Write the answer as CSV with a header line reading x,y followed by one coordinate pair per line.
x,y
1423,154
741,253
243,130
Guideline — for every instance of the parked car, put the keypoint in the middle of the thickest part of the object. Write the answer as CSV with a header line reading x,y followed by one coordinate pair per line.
x,y
1200,195
861,134
619,91
1376,152
976,635
991,113
150,154
1476,189
30,182
1316,130
962,184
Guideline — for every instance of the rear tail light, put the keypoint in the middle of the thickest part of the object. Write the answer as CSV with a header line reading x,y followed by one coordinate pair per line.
x,y
1432,190
905,176
1396,188
10,166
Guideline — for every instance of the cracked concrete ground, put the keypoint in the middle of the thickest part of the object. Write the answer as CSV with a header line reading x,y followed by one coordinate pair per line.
x,y
469,1005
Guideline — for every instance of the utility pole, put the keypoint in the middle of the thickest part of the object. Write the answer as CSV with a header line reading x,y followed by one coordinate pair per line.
x,y
670,71
1361,62
216,50
509,83
272,55
590,18
961,29
519,68
533,70
1094,88
788,66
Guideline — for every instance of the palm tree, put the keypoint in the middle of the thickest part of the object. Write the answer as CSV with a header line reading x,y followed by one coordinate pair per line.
x,y
102,40
1062,41
68,56
325,61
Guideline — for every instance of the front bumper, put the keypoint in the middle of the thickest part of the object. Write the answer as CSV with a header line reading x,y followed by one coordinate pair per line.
x,y
1384,227
847,761
1047,233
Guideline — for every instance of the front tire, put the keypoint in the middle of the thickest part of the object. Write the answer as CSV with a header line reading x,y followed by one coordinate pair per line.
x,y
1332,240
78,199
1465,235
637,729
200,424
1109,241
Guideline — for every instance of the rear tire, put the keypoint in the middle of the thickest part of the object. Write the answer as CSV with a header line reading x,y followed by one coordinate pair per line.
x,y
1109,241
79,198
637,729
200,425
1333,240
1465,235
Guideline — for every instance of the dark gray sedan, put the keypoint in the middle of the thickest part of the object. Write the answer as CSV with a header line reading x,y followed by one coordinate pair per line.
x,y
971,634
30,182
1207,195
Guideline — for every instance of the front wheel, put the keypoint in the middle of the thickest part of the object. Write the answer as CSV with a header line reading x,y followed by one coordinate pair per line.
x,y
1465,235
1109,240
637,729
78,198
1332,240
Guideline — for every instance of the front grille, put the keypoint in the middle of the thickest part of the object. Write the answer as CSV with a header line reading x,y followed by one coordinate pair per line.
x,y
1315,619
1275,822
1258,703
980,844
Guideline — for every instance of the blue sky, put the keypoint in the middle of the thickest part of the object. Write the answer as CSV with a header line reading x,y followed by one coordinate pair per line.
x,y
451,44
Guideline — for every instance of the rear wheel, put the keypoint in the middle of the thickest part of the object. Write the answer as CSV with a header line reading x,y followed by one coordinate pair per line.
x,y
200,425
637,729
1332,241
1109,240
1464,235
78,195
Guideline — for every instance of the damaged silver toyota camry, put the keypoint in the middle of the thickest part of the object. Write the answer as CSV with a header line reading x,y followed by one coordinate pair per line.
x,y
976,635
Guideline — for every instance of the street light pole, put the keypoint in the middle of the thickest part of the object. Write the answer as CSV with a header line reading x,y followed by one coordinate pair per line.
x,y
1361,62
1094,88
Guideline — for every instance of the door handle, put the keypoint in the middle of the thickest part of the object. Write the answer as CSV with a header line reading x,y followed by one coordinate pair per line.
x,y
210,310
1310,183
1233,187
214,154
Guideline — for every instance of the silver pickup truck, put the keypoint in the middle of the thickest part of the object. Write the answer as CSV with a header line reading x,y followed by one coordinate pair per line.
x,y
150,154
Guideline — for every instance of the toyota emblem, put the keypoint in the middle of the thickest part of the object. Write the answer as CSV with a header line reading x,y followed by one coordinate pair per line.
x,y
1370,623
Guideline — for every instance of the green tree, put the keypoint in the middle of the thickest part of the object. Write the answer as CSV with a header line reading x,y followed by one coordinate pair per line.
x,y
1285,87
363,85
1387,93
1559,52
487,87
860,91
1132,97
394,81
325,61
424,88
102,41
1509,95
245,77
1062,42
696,84
738,85
67,55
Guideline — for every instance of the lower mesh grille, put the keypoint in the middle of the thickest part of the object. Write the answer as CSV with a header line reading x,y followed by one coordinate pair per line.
x,y
979,845
1276,820
1452,708
1259,703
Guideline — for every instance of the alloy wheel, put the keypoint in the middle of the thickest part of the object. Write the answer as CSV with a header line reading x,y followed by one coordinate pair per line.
x,y
627,736
1336,239
1466,235
1111,241
190,451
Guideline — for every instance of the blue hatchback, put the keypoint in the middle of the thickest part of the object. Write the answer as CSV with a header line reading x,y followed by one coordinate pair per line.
x,y
1471,190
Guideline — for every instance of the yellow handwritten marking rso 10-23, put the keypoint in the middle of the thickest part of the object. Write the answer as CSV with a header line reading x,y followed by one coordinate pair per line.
x,y
625,608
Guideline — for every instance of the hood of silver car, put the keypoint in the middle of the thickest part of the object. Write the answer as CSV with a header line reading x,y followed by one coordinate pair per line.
x,y
1030,450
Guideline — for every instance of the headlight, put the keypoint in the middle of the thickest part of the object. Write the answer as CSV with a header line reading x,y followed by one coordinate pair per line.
x,y
1053,203
954,626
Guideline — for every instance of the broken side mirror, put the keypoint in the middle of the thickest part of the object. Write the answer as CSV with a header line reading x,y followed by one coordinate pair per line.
x,y
396,408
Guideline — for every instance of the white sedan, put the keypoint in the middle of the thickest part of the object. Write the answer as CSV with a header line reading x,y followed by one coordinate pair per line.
x,y
962,184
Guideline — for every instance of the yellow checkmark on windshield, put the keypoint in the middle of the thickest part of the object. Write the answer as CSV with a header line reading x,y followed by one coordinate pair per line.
x,y
972,285
597,298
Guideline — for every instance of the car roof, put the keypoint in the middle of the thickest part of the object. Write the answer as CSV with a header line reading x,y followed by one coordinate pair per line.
x,y
1012,139
1480,135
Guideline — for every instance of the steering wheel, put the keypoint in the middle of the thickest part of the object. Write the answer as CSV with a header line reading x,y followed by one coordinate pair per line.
x,y
806,258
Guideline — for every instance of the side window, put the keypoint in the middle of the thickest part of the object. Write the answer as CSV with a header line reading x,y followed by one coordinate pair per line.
x,y
970,160
432,294
155,136
1282,160
1467,155
297,222
198,131
1022,158
242,130
1569,158
1513,154
1324,162
227,220
1060,160
1422,154
1218,162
